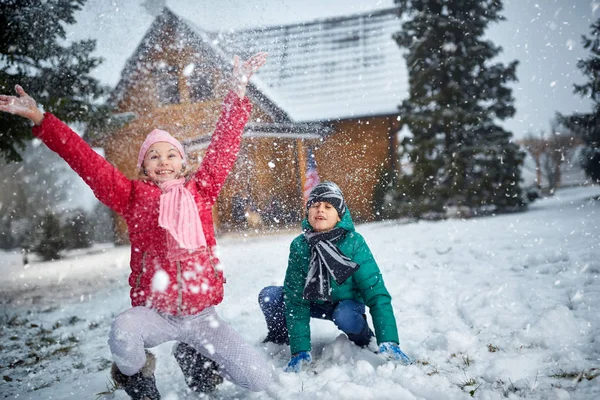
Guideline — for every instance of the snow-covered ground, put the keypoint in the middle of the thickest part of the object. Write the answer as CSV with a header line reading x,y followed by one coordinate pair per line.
x,y
503,307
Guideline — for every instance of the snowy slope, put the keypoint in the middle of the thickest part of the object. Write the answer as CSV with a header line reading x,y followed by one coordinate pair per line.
x,y
507,307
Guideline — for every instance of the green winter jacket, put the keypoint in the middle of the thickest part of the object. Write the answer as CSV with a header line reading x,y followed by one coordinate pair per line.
x,y
365,285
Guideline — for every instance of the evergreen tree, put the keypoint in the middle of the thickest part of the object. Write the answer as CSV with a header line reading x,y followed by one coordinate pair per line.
x,y
587,125
56,75
47,238
31,188
103,231
78,230
458,154
383,207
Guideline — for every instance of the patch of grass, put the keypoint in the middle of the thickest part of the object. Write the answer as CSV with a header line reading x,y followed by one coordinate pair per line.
x,y
73,339
16,363
425,363
466,360
73,320
37,341
492,348
111,387
43,385
528,346
63,350
578,376
29,346
468,382
16,321
104,364
472,392
93,325
70,322
48,340
78,366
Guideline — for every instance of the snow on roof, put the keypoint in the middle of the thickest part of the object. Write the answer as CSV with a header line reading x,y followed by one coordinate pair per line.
x,y
194,36
337,68
330,69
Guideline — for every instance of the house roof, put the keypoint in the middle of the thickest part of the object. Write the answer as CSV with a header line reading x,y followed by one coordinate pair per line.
x,y
188,33
330,69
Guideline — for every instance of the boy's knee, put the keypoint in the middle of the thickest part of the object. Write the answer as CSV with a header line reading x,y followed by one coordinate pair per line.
x,y
347,318
270,294
346,309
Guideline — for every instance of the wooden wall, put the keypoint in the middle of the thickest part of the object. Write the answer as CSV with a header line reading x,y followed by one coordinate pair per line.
x,y
353,157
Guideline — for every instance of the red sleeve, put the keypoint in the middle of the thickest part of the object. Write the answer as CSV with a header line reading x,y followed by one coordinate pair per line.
x,y
109,185
224,146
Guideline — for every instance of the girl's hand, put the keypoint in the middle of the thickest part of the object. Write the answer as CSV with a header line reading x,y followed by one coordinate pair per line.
x,y
23,106
242,73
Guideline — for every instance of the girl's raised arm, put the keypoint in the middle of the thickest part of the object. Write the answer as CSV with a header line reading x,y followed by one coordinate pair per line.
x,y
109,185
224,146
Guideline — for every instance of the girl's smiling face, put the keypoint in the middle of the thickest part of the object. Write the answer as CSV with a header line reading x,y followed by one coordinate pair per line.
x,y
322,216
163,162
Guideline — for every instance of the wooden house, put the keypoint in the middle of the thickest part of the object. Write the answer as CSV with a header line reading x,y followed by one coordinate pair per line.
x,y
331,86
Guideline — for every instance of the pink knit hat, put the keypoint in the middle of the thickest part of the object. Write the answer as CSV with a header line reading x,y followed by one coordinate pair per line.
x,y
156,136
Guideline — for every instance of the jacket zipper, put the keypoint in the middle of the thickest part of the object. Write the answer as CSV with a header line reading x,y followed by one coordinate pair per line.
x,y
138,280
179,287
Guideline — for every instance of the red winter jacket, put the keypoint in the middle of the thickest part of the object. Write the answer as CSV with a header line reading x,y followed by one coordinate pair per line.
x,y
177,288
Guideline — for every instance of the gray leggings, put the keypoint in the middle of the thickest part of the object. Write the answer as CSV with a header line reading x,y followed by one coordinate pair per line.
x,y
140,327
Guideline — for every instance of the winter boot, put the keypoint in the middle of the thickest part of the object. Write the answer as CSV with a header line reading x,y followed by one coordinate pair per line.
x,y
201,373
142,385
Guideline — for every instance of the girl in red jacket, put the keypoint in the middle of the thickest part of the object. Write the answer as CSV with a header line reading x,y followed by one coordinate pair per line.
x,y
175,279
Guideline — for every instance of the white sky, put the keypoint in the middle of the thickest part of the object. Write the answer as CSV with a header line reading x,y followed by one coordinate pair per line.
x,y
543,35
526,284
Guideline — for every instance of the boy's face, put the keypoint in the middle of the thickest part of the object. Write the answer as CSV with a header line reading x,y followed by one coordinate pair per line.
x,y
163,162
322,216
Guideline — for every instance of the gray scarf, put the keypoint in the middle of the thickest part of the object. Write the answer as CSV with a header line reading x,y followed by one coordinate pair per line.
x,y
326,260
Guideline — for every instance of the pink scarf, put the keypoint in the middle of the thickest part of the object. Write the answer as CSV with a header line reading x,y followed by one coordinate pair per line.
x,y
178,214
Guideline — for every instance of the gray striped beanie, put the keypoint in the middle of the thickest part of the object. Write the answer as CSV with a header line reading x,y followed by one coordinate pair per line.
x,y
329,192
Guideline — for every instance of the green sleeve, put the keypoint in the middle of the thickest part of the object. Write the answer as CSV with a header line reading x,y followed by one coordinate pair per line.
x,y
297,309
370,283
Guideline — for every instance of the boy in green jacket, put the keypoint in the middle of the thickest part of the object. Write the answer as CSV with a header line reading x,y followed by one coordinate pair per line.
x,y
331,275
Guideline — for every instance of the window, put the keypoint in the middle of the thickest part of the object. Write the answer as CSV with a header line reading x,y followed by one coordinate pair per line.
x,y
167,84
200,86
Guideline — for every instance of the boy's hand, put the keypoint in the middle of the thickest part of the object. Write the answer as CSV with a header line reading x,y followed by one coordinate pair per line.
x,y
23,106
298,359
243,72
392,352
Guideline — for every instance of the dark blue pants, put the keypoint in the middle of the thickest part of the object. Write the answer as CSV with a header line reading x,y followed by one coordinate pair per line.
x,y
347,315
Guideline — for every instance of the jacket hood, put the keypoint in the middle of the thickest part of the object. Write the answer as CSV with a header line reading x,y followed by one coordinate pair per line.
x,y
346,223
